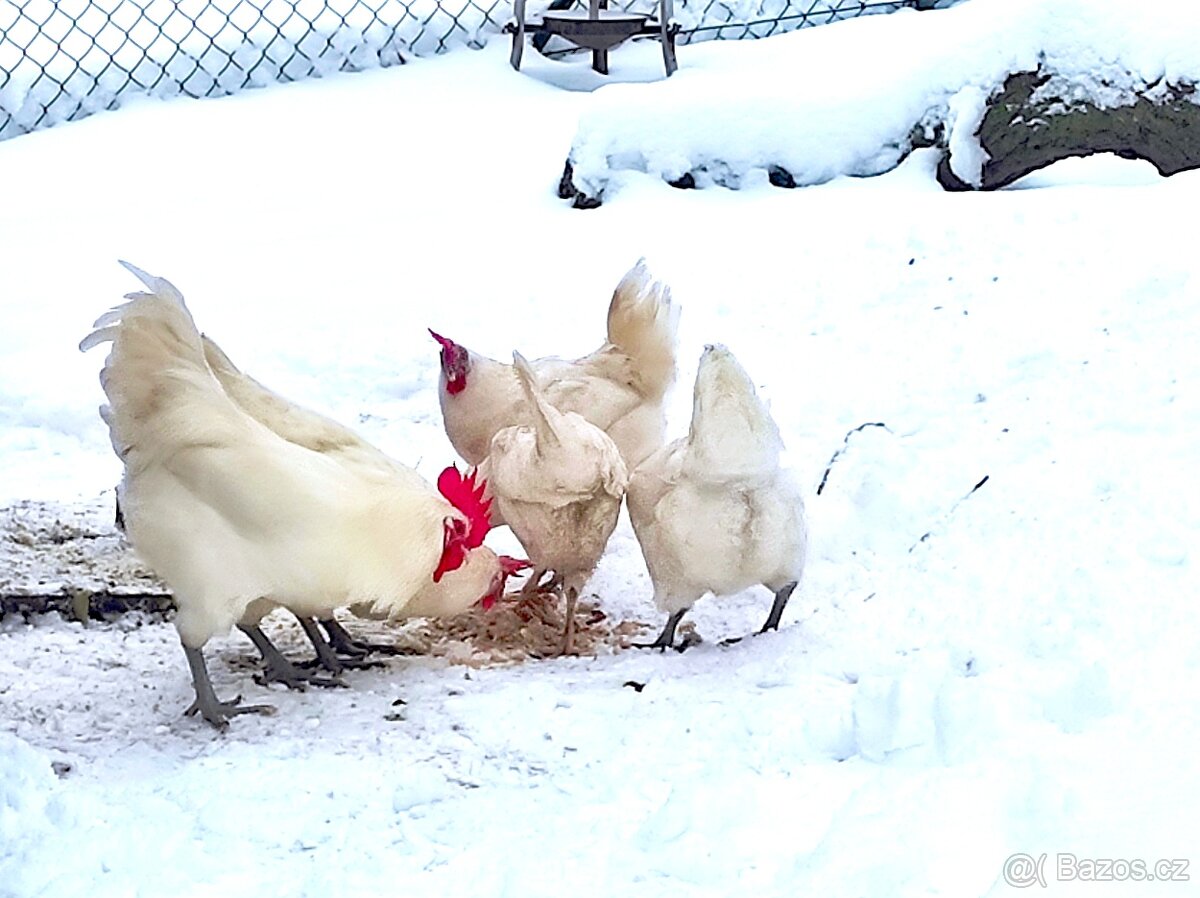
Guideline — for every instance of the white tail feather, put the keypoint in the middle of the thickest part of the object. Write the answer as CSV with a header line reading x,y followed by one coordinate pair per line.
x,y
643,322
544,415
156,356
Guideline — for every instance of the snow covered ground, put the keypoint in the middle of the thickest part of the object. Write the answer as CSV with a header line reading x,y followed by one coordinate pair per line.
x,y
994,650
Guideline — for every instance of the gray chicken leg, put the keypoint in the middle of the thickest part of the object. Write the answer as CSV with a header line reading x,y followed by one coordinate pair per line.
x,y
327,657
347,646
207,704
278,669
776,612
781,600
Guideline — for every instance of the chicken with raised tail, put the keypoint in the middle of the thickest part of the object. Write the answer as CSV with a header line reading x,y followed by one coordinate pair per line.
x,y
232,516
619,388
482,574
558,482
714,511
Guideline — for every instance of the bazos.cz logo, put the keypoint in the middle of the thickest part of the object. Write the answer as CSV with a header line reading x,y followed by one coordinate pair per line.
x,y
1024,870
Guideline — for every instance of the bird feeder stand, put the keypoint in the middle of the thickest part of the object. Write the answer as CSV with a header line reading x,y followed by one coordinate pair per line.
x,y
598,30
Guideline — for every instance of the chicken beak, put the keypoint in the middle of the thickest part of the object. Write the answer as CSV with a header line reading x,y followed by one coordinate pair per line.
x,y
510,565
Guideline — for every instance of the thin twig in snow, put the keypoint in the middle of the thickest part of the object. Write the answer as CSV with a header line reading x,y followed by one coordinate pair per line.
x,y
953,508
845,446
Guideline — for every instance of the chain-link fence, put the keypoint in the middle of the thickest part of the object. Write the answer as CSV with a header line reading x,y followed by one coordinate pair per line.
x,y
61,61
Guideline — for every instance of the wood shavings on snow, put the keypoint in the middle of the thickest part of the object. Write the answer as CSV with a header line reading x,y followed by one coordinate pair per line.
x,y
516,629
50,548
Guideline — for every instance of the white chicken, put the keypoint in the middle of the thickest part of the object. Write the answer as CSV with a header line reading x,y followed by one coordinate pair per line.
x,y
483,573
620,387
558,483
234,517
713,511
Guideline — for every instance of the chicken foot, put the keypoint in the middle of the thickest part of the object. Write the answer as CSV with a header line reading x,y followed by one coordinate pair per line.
x,y
207,704
781,600
347,646
776,612
278,669
327,656
666,639
533,585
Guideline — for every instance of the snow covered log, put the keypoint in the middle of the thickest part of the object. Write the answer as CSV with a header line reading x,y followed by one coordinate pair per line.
x,y
1037,118
848,99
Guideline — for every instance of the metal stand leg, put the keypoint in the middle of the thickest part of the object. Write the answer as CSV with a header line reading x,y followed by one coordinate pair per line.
x,y
518,31
668,46
599,57
667,35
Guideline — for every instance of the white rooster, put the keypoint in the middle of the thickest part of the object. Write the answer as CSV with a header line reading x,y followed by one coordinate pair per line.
x,y
558,483
230,514
620,387
713,511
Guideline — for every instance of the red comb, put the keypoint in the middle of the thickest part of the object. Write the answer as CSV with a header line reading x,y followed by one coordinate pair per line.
x,y
464,494
446,344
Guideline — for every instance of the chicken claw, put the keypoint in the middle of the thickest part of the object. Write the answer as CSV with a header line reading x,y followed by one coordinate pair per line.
x,y
327,656
666,639
218,713
294,677
278,669
534,587
207,704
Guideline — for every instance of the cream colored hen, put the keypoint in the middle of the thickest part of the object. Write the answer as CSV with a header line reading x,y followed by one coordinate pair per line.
x,y
619,388
482,575
229,514
558,483
713,511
